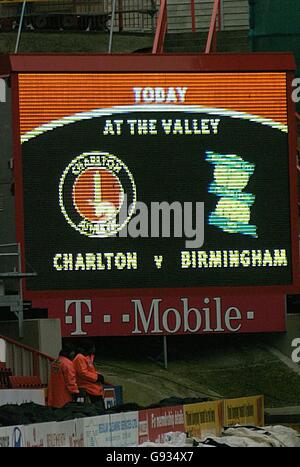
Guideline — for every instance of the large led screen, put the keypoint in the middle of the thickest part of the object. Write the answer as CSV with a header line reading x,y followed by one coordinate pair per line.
x,y
136,180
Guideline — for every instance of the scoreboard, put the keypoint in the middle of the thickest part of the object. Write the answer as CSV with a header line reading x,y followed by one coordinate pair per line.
x,y
144,179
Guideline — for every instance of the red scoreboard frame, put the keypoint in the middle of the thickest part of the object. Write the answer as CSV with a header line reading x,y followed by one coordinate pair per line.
x,y
158,310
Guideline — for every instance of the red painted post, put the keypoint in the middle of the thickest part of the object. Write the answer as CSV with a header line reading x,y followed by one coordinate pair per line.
x,y
161,28
120,8
214,41
219,16
35,364
212,34
193,15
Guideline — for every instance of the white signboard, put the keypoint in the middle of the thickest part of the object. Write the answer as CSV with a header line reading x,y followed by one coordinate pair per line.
x,y
63,435
66,432
21,396
12,437
78,440
36,435
97,431
54,434
124,429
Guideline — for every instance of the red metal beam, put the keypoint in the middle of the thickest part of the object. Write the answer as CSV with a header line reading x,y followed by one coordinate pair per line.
x,y
122,63
220,16
211,39
193,15
161,28
121,22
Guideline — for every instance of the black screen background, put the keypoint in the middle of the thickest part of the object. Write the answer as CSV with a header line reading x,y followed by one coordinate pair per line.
x,y
165,168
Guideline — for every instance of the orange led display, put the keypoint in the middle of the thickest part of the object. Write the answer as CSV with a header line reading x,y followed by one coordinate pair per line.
x,y
48,97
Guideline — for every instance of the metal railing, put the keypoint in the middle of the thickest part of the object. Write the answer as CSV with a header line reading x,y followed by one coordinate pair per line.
x,y
162,24
131,15
215,24
136,15
11,270
161,28
10,258
26,361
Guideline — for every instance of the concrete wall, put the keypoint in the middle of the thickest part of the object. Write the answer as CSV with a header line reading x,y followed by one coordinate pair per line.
x,y
41,334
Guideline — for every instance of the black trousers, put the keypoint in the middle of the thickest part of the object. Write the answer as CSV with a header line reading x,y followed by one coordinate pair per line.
x,y
97,400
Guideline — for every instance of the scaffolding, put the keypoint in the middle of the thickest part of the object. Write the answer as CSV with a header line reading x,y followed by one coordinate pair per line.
x,y
11,270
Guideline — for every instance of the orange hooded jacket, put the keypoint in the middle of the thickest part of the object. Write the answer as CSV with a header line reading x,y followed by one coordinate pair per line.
x,y
86,375
62,383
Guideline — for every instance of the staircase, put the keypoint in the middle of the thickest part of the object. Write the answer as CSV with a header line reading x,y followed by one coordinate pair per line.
x,y
187,31
21,360
227,41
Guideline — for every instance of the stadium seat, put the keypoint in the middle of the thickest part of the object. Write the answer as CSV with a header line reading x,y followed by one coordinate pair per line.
x,y
25,382
5,374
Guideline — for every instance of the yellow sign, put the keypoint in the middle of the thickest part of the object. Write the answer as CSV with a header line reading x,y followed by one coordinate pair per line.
x,y
244,411
203,419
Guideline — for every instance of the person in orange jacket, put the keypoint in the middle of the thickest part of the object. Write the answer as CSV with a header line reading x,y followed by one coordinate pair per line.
x,y
87,377
62,387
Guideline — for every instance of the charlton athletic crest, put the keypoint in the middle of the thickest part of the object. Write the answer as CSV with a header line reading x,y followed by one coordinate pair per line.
x,y
97,194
